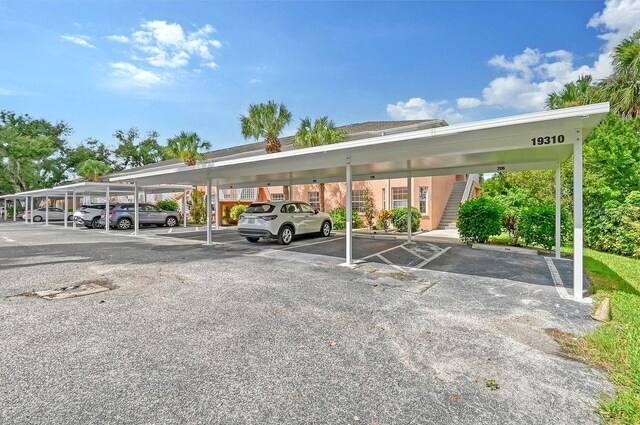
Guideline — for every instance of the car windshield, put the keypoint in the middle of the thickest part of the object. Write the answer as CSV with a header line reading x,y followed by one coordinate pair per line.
x,y
260,208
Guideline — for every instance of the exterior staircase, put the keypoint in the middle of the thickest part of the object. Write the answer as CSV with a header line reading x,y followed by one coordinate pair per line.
x,y
450,216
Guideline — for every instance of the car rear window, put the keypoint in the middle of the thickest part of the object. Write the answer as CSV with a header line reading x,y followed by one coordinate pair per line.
x,y
260,208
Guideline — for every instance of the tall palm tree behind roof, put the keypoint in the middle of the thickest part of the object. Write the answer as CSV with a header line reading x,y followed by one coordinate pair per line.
x,y
623,87
266,121
323,131
187,147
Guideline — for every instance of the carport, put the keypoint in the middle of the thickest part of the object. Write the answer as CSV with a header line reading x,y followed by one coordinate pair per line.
x,y
541,140
13,199
100,189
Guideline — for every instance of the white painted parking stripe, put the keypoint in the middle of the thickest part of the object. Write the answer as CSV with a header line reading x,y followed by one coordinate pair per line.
x,y
381,252
390,263
557,280
433,257
7,239
312,243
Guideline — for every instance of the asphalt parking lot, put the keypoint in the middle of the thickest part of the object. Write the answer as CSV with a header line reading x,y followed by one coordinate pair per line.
x,y
259,333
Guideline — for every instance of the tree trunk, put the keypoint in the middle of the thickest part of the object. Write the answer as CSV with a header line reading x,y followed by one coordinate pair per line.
x,y
273,145
322,197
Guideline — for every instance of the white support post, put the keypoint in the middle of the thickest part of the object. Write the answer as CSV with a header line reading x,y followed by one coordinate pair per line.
x,y
208,211
577,217
107,216
26,203
217,206
184,208
409,211
349,248
387,195
66,208
4,215
15,208
558,211
46,211
30,216
73,207
136,209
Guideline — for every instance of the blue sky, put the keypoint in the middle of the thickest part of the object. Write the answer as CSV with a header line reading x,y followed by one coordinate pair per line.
x,y
172,66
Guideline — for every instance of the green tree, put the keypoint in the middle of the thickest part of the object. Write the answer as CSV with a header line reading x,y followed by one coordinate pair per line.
x,y
186,147
369,209
31,152
622,88
88,149
581,92
266,121
92,169
323,131
132,152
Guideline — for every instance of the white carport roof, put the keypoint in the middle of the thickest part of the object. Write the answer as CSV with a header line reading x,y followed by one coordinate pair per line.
x,y
503,144
99,189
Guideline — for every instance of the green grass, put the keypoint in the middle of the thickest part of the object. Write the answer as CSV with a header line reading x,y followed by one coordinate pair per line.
x,y
615,346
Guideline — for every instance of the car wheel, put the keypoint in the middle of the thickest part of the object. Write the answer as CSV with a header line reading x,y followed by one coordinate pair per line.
x,y
95,223
171,222
70,218
326,229
285,235
253,240
37,218
124,224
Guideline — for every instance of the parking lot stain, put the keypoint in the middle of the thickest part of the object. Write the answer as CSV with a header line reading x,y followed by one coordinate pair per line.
x,y
81,289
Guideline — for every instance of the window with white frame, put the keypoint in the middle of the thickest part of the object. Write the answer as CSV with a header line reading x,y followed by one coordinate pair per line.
x,y
249,193
424,196
314,200
399,197
277,197
357,200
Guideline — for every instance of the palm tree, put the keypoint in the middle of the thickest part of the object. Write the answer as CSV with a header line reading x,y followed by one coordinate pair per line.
x,y
577,93
92,169
323,131
623,87
186,147
266,121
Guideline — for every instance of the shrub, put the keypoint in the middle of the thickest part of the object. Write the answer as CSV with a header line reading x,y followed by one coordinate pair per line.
x,y
538,224
615,226
198,207
236,211
382,222
226,215
512,202
369,208
479,218
399,219
339,218
168,205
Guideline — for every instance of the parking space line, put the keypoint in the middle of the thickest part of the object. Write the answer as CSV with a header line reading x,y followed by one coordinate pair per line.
x,y
414,253
7,239
381,252
395,266
433,257
312,243
557,280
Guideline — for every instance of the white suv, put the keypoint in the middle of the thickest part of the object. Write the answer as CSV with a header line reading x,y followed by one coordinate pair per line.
x,y
282,220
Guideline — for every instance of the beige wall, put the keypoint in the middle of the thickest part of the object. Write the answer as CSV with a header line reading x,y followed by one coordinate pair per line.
x,y
438,189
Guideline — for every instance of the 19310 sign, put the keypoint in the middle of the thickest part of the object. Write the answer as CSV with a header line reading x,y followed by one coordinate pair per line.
x,y
547,140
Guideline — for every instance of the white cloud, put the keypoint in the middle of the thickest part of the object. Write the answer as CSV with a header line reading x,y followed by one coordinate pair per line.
x,y
126,75
162,44
468,102
79,39
417,108
254,81
530,76
118,38
5,92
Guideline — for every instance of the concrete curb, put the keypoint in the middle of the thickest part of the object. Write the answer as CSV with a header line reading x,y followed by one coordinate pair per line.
x,y
505,248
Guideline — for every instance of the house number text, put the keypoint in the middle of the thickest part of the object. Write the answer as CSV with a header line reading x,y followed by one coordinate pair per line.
x,y
547,140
